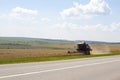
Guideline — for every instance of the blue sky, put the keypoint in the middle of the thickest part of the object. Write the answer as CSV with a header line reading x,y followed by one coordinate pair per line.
x,y
97,20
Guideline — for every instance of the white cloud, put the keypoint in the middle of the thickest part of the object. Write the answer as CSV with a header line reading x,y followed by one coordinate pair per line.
x,y
22,15
22,11
93,8
98,27
100,32
19,12
45,19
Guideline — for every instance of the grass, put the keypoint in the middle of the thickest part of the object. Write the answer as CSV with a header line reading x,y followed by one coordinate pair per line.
x,y
52,58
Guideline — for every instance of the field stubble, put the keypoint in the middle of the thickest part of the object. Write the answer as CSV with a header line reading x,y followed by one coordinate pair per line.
x,y
103,48
53,50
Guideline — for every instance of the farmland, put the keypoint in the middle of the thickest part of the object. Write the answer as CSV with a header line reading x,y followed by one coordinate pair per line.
x,y
17,48
27,47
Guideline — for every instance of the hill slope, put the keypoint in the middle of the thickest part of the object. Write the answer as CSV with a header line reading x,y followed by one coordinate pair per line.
x,y
23,43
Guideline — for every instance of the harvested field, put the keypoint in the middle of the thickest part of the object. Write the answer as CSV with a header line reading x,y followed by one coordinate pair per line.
x,y
23,53
55,50
103,48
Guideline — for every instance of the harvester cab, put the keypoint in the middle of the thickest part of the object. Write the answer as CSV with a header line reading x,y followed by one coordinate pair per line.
x,y
83,48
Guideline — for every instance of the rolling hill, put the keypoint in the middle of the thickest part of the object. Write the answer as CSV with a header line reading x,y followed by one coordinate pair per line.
x,y
22,42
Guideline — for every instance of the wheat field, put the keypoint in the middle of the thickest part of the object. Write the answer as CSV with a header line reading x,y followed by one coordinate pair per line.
x,y
54,50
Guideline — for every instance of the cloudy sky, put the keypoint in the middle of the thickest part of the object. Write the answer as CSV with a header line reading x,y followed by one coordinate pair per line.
x,y
97,20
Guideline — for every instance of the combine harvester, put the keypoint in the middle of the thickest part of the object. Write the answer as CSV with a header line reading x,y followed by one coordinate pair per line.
x,y
82,48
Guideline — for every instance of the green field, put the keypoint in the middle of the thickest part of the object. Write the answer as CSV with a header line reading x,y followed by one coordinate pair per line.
x,y
30,43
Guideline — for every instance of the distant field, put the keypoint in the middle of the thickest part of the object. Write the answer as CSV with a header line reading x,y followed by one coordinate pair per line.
x,y
13,48
32,43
